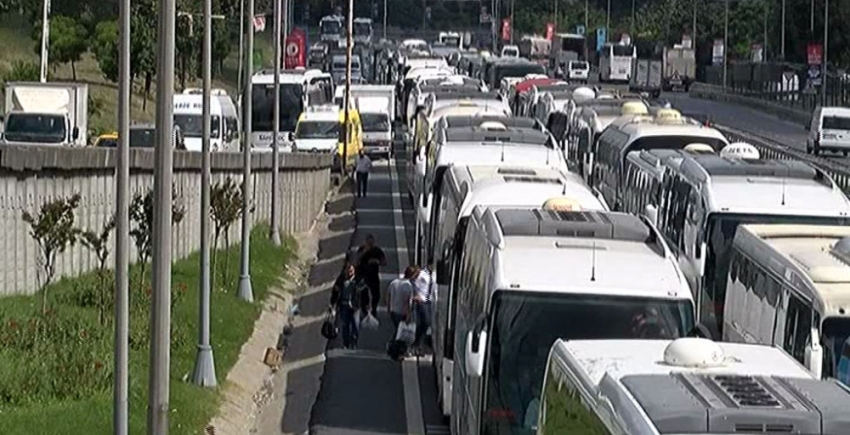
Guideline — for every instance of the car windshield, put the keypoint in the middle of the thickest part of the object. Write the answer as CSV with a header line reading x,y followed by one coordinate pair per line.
x,y
36,128
578,65
721,232
835,332
375,122
362,29
262,107
836,123
193,125
524,325
331,27
623,50
317,130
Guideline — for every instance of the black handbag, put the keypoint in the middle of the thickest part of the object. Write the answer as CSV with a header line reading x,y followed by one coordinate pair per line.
x,y
330,330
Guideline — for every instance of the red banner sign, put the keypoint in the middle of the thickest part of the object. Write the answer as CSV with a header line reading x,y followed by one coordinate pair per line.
x,y
295,50
550,31
506,29
814,53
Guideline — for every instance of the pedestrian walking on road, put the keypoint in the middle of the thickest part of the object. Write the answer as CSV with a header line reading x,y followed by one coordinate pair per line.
x,y
400,297
346,297
422,308
362,169
370,259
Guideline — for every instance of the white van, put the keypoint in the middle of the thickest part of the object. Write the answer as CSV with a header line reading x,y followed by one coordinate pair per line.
x,y
829,130
789,286
224,123
529,277
492,186
685,386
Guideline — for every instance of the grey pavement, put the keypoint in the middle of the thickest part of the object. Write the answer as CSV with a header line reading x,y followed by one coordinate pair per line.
x,y
748,120
351,392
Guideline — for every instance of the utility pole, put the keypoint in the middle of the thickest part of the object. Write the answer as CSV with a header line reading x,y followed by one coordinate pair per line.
x,y
348,49
764,48
241,85
246,291
45,39
694,29
275,226
825,73
385,20
160,352
782,32
556,16
632,28
586,29
121,382
725,43
608,22
513,4
204,371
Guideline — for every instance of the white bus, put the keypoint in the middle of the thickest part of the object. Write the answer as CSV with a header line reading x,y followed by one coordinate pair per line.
x,y
488,143
615,62
225,130
789,286
463,188
703,198
667,130
331,29
299,88
529,277
589,120
685,386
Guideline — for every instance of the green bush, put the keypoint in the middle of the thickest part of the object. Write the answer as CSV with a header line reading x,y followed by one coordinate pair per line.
x,y
22,71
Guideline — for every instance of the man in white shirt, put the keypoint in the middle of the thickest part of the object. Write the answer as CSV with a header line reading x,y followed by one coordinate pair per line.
x,y
400,297
362,169
422,297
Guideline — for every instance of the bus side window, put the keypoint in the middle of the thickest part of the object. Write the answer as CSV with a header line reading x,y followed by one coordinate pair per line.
x,y
797,327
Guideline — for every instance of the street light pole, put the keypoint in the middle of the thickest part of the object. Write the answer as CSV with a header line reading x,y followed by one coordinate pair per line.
x,y
586,29
275,226
556,16
346,121
725,42
385,20
632,29
160,351
694,28
121,384
782,33
241,84
204,371
825,73
246,291
45,40
608,22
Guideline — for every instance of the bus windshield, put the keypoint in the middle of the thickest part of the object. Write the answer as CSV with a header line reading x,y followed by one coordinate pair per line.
x,y
834,334
362,29
375,122
331,27
524,325
721,232
671,142
317,130
262,109
575,45
623,50
193,125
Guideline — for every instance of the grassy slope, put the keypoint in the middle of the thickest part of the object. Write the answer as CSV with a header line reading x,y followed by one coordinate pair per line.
x,y
17,44
192,407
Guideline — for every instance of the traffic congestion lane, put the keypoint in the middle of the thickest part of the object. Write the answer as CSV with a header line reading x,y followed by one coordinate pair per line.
x,y
363,391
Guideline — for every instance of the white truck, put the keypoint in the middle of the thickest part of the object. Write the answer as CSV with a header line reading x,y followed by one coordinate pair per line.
x,y
53,114
376,104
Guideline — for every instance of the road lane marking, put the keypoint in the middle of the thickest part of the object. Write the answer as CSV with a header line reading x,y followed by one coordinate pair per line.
x,y
409,369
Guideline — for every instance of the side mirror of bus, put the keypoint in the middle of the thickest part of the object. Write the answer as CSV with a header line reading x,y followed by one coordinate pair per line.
x,y
651,214
700,255
813,359
475,349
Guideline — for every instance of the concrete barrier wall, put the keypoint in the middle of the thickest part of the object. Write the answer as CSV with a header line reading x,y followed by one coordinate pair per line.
x,y
713,92
30,176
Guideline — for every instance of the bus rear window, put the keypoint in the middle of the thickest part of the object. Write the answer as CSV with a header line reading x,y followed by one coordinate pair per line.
x,y
623,50
836,123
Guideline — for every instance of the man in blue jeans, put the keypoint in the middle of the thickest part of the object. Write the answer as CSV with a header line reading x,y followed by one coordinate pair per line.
x,y
422,308
400,297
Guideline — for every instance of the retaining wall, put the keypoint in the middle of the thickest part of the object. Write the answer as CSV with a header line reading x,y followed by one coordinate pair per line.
x,y
29,176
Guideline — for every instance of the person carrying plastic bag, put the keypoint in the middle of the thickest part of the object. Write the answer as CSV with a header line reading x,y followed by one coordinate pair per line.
x,y
348,295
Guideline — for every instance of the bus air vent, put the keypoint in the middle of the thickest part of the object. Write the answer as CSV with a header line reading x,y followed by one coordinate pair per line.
x,y
539,180
746,391
517,171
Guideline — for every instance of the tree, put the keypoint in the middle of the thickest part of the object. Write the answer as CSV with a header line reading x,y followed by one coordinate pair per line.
x,y
98,244
52,228
225,210
141,213
68,41
105,48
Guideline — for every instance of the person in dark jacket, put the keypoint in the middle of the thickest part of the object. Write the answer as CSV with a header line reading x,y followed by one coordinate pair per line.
x,y
347,295
370,259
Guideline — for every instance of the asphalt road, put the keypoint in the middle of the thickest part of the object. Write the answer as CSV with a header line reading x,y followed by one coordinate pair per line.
x,y
363,391
748,120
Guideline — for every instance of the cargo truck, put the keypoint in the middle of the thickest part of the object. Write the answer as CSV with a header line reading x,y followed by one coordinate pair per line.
x,y
376,104
647,78
53,114
679,68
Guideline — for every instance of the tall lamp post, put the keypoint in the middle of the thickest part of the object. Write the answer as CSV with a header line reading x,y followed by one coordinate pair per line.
x,y
725,42
275,206
245,290
45,39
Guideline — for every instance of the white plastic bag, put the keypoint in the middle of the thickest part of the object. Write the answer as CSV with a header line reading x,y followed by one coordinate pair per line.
x,y
357,319
406,332
370,322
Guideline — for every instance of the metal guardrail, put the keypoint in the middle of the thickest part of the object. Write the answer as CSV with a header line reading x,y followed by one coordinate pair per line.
x,y
771,149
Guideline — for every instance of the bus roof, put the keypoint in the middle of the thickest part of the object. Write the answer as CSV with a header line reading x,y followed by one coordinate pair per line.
x,y
608,253
290,76
776,187
513,135
457,121
477,153
516,186
813,257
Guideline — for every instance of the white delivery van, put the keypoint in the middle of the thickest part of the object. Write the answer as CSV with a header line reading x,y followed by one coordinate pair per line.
x,y
224,122
829,130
